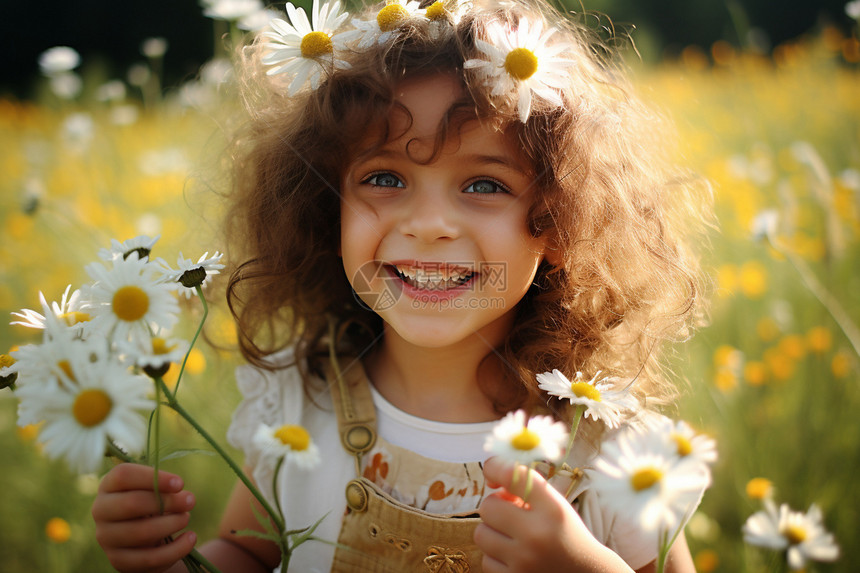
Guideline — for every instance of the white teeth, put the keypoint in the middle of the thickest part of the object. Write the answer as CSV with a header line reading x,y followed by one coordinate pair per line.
x,y
435,279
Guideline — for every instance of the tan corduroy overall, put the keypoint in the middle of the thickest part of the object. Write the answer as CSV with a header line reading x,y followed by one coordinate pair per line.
x,y
379,534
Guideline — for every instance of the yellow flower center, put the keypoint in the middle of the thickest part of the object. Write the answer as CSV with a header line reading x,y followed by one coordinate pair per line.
x,y
391,16
91,407
435,11
67,369
759,488
294,436
130,303
644,478
585,390
315,44
525,440
159,346
794,533
521,63
74,317
6,361
685,448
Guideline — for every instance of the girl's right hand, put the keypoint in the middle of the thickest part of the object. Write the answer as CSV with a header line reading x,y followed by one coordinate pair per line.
x,y
129,527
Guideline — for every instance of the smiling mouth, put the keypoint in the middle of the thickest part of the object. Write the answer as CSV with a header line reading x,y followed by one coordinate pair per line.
x,y
438,278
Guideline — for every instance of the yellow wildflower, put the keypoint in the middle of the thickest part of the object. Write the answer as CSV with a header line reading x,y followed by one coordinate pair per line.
x,y
767,329
819,339
753,279
759,488
58,530
793,346
755,373
706,561
841,365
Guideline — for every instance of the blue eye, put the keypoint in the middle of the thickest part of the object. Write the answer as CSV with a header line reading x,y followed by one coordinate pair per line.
x,y
383,179
486,186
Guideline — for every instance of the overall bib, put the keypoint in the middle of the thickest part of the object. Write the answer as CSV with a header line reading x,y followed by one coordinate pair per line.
x,y
380,534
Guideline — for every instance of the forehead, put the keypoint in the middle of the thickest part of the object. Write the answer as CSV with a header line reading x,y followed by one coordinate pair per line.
x,y
427,99
434,115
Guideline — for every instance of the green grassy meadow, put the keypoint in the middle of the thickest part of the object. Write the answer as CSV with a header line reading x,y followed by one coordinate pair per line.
x,y
774,377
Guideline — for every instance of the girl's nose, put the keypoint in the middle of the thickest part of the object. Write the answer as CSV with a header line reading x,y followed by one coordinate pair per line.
x,y
429,216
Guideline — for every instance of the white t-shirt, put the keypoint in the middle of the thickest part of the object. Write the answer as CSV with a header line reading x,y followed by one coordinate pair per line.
x,y
436,440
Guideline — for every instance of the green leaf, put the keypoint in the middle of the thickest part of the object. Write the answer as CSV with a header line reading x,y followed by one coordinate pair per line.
x,y
258,535
266,523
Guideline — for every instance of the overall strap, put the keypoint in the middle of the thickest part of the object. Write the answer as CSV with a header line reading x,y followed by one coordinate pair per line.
x,y
353,404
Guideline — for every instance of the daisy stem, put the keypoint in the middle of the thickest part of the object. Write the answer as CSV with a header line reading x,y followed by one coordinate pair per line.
x,y
278,467
155,458
197,557
116,452
529,481
196,334
664,550
176,407
574,425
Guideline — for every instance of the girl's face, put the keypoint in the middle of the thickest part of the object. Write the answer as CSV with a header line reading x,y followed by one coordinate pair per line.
x,y
441,251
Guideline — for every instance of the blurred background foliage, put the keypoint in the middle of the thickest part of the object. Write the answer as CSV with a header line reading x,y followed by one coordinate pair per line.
x,y
766,99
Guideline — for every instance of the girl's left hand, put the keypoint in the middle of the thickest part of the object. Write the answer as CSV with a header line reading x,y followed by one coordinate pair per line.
x,y
543,533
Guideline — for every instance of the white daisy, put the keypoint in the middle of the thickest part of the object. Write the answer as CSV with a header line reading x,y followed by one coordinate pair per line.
x,y
257,21
801,535
69,313
384,26
601,400
442,14
764,225
58,59
141,244
638,476
190,274
289,440
306,51
80,418
154,355
521,60
8,376
526,440
688,445
230,10
48,363
128,301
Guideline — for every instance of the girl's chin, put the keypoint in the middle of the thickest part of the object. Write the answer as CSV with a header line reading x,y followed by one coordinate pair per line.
x,y
442,330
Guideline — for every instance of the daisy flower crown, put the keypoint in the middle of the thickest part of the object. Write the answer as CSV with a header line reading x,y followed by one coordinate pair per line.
x,y
519,60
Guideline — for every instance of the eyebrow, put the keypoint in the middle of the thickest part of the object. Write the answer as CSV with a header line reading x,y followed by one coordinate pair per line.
x,y
506,161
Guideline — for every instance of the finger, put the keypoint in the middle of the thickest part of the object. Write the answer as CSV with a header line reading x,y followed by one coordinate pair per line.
x,y
492,565
492,542
518,480
127,477
153,558
139,533
127,505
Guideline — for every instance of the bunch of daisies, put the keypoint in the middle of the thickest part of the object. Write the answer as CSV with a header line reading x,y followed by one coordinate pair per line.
x,y
90,381
651,469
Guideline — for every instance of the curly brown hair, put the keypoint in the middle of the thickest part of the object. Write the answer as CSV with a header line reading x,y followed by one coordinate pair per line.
x,y
618,213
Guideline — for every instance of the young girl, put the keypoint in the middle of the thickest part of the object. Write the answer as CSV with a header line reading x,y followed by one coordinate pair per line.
x,y
432,207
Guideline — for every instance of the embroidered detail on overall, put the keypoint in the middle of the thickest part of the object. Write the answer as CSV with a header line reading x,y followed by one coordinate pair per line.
x,y
379,534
